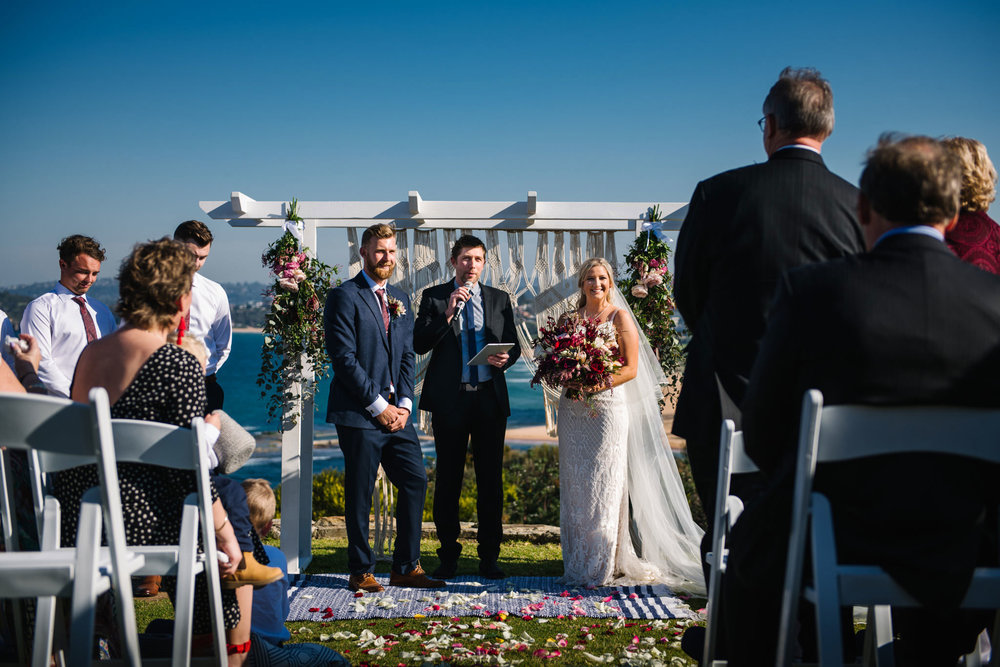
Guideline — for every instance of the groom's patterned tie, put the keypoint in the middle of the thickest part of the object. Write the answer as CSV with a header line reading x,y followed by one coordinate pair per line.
x,y
88,321
385,308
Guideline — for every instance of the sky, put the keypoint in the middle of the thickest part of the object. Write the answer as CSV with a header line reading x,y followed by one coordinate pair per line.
x,y
119,117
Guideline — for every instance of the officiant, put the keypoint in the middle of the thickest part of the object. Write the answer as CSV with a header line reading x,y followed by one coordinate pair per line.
x,y
468,403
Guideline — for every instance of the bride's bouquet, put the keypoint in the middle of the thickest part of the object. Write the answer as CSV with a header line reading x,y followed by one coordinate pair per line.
x,y
575,353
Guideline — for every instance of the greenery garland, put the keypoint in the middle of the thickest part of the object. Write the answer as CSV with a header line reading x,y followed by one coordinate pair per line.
x,y
648,290
293,328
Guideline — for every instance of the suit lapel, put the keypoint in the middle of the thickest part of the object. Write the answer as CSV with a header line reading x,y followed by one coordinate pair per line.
x,y
372,302
487,311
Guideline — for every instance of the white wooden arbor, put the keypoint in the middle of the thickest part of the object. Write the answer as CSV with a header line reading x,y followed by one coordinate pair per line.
x,y
419,219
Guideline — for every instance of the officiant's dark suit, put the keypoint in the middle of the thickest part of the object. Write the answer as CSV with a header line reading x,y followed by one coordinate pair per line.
x,y
743,228
906,323
371,350
465,408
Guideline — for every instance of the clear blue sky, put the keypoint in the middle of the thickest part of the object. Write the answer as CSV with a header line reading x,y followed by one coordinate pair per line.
x,y
118,118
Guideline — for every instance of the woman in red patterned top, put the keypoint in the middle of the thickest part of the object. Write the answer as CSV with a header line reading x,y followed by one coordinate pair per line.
x,y
976,237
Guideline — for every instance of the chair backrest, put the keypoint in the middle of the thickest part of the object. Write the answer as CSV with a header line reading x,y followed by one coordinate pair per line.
x,y
61,434
170,446
846,432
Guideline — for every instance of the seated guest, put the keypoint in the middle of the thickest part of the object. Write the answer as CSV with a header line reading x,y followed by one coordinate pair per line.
x,y
22,373
6,329
905,323
976,237
270,603
149,378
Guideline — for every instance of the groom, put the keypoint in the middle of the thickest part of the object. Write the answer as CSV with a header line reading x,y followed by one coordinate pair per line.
x,y
369,336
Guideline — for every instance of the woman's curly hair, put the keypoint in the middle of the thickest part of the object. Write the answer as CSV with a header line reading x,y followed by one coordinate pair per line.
x,y
979,176
151,282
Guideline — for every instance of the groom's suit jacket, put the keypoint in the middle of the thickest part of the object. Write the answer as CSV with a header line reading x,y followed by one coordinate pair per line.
x,y
435,334
366,362
744,227
907,323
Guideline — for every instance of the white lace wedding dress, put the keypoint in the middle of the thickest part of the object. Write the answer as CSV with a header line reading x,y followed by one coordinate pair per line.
x,y
610,451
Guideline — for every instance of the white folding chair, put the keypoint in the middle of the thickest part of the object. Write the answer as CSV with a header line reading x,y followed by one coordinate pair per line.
x,y
169,446
733,460
65,434
845,432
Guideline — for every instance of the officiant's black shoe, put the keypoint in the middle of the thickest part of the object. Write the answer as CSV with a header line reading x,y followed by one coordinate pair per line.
x,y
446,570
491,570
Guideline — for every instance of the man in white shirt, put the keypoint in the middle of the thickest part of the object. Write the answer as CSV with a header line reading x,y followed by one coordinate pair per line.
x,y
209,319
64,320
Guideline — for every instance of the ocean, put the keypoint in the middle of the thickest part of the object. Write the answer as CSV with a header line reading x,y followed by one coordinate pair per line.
x,y
243,402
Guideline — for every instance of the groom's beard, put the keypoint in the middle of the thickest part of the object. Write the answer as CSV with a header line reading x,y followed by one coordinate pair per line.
x,y
381,271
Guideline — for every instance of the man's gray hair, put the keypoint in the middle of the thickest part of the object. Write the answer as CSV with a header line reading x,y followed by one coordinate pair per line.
x,y
801,102
912,180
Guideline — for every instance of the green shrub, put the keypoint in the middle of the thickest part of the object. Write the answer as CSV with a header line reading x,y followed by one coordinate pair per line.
x,y
531,485
530,489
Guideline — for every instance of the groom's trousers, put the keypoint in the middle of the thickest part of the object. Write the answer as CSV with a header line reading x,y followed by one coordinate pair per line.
x,y
399,454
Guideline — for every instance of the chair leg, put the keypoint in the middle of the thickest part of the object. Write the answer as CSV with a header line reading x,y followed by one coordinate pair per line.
x,y
83,606
882,635
184,606
45,607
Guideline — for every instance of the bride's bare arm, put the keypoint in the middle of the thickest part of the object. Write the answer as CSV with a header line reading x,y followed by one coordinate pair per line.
x,y
628,343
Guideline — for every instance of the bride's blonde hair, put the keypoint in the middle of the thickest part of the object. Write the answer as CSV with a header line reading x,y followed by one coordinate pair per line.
x,y
582,275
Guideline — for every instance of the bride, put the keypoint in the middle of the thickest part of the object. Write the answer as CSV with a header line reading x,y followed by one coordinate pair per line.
x,y
613,453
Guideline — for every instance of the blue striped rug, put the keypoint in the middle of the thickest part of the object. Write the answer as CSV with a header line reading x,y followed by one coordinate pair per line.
x,y
318,597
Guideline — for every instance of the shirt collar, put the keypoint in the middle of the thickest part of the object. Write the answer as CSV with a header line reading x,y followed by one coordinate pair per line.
x,y
62,290
803,147
475,286
925,230
372,285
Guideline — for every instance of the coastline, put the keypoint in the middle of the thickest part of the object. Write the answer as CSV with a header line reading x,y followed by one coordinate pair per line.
x,y
270,443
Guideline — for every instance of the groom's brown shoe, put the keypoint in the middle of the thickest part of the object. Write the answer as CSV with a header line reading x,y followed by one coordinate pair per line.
x,y
415,578
365,582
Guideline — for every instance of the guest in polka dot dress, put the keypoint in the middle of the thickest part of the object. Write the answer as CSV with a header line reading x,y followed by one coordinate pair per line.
x,y
149,378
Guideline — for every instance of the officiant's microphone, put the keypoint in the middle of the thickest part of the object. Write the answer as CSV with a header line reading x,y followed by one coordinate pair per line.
x,y
461,304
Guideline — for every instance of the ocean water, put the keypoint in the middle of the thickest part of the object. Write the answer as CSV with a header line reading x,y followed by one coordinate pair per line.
x,y
238,378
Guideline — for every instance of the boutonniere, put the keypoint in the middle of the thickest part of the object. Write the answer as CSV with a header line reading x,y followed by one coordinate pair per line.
x,y
395,307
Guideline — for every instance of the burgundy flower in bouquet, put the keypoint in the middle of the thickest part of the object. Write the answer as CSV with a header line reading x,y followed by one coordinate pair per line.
x,y
575,352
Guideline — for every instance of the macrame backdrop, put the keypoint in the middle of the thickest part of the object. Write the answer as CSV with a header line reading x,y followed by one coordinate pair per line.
x,y
422,260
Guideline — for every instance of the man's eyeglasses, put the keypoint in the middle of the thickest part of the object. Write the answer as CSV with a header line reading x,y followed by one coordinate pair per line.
x,y
762,123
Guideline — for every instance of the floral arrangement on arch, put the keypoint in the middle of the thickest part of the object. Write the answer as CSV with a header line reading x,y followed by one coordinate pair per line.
x,y
573,352
293,328
647,289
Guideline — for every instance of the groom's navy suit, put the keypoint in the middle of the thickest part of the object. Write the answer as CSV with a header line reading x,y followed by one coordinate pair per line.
x,y
368,363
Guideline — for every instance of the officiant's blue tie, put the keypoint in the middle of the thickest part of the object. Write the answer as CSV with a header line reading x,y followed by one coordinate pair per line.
x,y
470,339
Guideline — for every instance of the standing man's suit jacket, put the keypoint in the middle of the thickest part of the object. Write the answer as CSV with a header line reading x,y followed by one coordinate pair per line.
x,y
434,332
366,362
743,229
908,323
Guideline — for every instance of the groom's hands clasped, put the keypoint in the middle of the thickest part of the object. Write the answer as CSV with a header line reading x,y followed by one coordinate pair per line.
x,y
393,418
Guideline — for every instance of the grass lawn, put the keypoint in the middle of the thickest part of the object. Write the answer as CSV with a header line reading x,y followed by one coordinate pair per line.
x,y
477,640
